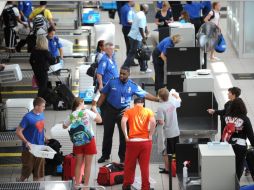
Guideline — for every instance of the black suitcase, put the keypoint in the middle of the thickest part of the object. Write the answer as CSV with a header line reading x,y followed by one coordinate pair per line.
x,y
62,93
250,161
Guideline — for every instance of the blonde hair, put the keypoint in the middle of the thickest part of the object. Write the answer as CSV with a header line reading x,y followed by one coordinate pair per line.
x,y
176,38
163,94
42,42
166,4
77,101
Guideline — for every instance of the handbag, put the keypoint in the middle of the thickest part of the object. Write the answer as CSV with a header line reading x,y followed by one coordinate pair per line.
x,y
221,44
143,53
111,174
92,69
34,82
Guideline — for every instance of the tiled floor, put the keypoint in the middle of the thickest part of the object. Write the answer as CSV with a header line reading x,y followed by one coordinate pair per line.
x,y
223,80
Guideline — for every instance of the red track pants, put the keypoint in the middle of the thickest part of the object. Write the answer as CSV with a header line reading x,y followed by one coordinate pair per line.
x,y
140,151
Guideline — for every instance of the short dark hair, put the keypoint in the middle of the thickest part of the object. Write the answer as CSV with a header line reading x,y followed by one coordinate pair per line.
x,y
43,2
235,91
189,2
215,4
125,68
51,28
38,101
237,108
139,100
99,44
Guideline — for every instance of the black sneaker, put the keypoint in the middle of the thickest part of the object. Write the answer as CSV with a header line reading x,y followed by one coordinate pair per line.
x,y
102,159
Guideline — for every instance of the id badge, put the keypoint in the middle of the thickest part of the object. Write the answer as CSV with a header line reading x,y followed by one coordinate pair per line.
x,y
122,100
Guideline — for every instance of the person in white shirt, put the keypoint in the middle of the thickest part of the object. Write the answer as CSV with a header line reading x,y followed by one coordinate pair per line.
x,y
214,17
84,153
168,124
138,35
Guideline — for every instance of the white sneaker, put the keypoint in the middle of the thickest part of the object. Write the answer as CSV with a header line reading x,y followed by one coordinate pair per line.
x,y
148,70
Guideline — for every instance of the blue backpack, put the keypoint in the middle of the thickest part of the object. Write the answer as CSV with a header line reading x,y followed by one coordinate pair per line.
x,y
221,45
79,133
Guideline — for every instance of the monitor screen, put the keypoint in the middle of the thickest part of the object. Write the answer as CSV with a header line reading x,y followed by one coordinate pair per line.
x,y
183,59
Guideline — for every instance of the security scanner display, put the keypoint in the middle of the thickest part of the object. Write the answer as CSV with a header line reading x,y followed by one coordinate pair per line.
x,y
185,30
198,81
178,61
193,119
212,158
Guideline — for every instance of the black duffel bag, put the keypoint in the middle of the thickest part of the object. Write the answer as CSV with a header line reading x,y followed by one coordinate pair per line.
x,y
143,53
92,69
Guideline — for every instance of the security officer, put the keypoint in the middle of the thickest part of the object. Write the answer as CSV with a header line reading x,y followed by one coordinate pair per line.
x,y
25,9
55,47
117,94
127,15
107,67
159,59
194,11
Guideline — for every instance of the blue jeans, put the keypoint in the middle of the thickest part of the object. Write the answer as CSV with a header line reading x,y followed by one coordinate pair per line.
x,y
134,45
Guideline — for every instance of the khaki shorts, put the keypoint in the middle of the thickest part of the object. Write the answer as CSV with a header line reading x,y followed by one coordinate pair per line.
x,y
32,164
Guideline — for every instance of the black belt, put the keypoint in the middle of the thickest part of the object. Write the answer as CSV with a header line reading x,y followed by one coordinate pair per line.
x,y
121,109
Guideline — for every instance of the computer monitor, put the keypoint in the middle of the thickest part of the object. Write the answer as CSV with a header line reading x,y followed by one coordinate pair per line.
x,y
181,59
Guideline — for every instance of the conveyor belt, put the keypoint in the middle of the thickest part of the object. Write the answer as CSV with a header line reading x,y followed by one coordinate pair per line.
x,y
9,139
44,185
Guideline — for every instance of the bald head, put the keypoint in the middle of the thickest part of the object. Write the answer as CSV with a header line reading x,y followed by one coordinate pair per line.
x,y
144,7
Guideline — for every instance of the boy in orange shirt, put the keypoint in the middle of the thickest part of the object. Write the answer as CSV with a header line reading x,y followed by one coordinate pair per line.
x,y
138,142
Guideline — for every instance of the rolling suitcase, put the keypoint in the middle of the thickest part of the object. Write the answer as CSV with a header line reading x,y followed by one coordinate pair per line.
x,y
69,168
250,161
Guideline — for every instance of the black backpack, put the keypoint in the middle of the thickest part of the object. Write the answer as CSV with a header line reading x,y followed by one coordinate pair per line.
x,y
9,17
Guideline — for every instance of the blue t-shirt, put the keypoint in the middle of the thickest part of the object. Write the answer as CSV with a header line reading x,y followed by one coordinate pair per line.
x,y
119,94
164,44
139,21
33,126
54,45
25,7
194,10
107,68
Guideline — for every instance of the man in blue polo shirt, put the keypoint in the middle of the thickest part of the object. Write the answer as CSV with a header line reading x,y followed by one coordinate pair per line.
x,y
25,9
160,57
127,14
117,95
194,11
55,47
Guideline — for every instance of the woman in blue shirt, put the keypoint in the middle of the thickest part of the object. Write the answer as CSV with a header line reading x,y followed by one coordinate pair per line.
x,y
160,58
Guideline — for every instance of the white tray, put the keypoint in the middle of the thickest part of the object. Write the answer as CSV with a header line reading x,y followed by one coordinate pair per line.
x,y
42,151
